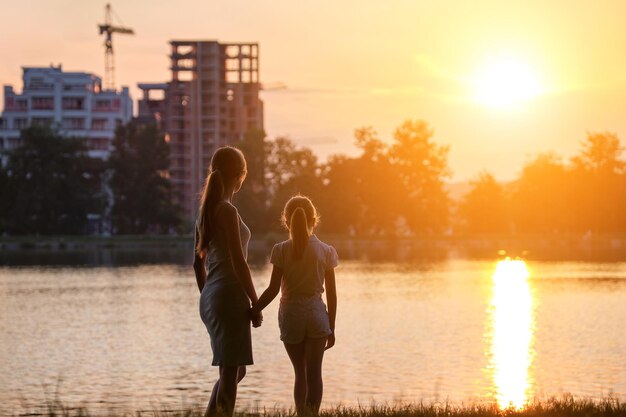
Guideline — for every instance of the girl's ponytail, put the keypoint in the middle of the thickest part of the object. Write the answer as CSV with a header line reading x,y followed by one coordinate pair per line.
x,y
299,232
213,193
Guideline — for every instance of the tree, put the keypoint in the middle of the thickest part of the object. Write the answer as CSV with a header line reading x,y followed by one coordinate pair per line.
x,y
341,205
290,170
251,199
5,199
378,186
51,184
422,167
600,154
540,196
484,208
598,183
140,182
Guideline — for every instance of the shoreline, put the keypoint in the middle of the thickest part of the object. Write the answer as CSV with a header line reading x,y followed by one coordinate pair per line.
x,y
562,406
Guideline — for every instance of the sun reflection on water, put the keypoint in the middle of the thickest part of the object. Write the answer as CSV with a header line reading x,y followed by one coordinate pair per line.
x,y
511,333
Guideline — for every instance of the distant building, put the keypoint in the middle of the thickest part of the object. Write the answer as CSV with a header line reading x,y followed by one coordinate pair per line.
x,y
212,100
72,102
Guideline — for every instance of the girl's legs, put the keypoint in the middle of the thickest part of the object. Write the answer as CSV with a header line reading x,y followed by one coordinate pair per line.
x,y
306,358
313,354
297,357
225,390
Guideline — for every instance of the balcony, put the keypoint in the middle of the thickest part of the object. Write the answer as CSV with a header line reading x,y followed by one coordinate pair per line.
x,y
20,123
76,87
99,124
73,103
42,121
39,86
42,103
73,123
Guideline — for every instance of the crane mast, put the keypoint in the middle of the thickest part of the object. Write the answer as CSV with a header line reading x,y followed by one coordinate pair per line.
x,y
108,29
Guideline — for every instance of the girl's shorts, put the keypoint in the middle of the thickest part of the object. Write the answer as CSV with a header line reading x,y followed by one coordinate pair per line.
x,y
302,318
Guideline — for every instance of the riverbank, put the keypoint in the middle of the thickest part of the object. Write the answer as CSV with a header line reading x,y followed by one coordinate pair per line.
x,y
566,406
534,247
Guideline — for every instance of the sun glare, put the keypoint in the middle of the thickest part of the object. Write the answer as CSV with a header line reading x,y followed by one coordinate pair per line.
x,y
512,333
505,82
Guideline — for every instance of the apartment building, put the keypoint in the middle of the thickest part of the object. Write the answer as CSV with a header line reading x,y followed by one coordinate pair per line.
x,y
72,102
212,100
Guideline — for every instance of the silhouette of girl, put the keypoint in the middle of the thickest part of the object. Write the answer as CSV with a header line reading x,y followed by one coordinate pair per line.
x,y
226,291
303,265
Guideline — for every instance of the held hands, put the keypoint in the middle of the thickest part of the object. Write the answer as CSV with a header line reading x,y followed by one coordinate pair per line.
x,y
256,317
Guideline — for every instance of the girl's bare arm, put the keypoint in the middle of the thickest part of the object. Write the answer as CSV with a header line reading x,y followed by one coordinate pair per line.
x,y
271,292
331,300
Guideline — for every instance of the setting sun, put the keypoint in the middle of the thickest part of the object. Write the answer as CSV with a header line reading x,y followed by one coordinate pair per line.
x,y
505,82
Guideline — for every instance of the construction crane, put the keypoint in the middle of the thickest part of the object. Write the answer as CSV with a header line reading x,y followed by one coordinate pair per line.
x,y
109,62
274,86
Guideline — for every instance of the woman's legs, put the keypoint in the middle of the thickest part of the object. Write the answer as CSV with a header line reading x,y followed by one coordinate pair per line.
x,y
313,354
211,409
306,358
297,357
224,391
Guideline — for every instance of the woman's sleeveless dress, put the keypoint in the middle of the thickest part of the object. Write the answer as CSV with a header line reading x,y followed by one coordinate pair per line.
x,y
224,305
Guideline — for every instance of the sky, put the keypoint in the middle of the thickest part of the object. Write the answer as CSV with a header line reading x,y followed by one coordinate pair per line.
x,y
498,81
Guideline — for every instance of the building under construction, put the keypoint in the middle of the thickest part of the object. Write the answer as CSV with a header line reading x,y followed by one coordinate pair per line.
x,y
212,100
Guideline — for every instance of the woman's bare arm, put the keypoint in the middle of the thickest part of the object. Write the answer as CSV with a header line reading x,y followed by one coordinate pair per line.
x,y
331,299
199,266
229,219
270,292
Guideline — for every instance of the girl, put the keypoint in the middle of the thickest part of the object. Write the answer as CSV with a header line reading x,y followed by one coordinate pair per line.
x,y
226,292
302,265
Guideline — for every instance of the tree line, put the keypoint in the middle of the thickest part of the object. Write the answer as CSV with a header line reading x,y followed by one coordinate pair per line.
x,y
392,188
50,185
399,188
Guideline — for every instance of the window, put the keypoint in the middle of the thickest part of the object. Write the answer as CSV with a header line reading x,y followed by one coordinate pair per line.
x,y
99,124
38,83
13,143
73,123
21,105
100,144
73,103
208,139
75,87
42,121
43,103
20,123
103,105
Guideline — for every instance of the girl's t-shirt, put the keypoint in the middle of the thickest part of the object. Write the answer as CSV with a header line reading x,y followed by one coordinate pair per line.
x,y
303,277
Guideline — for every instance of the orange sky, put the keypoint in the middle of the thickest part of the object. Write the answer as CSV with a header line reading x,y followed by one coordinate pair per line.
x,y
353,63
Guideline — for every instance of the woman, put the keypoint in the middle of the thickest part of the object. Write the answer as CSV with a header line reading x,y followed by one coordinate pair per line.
x,y
226,291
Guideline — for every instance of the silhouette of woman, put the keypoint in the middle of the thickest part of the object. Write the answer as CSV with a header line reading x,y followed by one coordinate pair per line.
x,y
226,291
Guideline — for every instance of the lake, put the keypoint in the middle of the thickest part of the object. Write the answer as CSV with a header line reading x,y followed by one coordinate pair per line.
x,y
116,335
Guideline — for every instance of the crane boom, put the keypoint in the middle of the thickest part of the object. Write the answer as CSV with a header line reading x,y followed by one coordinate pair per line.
x,y
108,30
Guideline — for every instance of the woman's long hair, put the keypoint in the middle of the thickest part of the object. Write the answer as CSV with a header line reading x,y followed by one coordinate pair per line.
x,y
228,166
300,218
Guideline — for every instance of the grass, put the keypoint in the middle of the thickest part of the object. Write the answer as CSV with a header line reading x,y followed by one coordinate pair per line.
x,y
554,407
